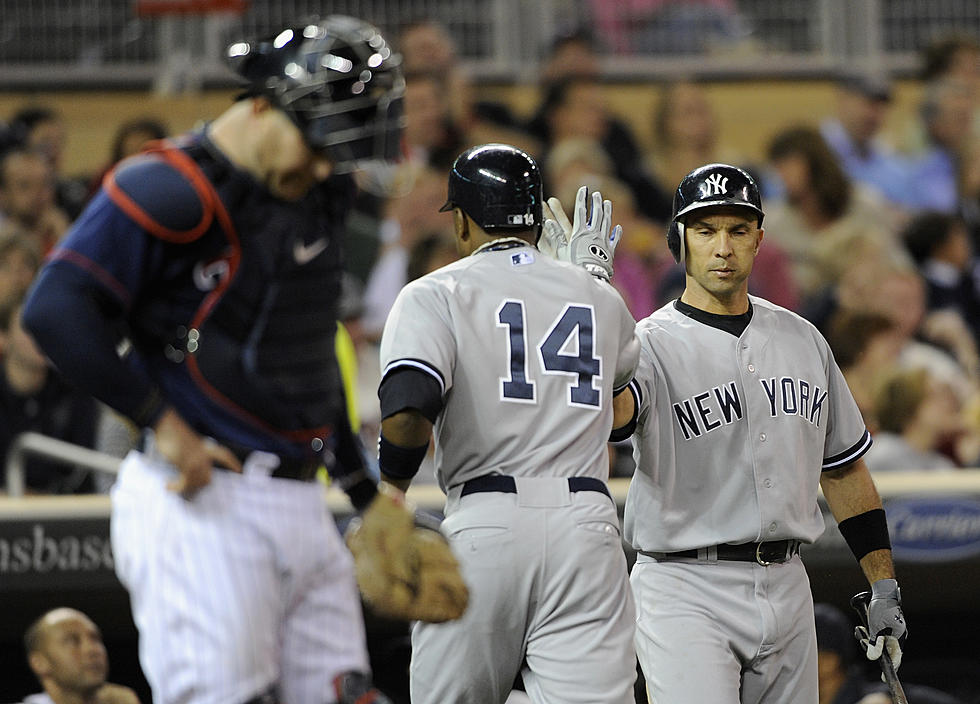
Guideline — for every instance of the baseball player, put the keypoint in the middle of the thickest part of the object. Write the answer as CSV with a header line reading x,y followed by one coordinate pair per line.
x,y
741,414
515,361
217,259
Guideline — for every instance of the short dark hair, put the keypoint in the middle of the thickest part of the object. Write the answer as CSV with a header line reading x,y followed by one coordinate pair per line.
x,y
938,56
33,635
926,232
850,331
555,94
27,118
147,125
576,34
871,86
898,397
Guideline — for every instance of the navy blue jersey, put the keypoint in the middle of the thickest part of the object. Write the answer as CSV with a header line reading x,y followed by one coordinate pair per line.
x,y
226,294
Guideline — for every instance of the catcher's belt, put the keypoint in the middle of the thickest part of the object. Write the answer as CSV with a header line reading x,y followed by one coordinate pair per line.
x,y
506,484
301,469
768,553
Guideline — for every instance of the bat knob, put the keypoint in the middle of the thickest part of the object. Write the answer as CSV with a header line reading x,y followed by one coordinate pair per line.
x,y
859,602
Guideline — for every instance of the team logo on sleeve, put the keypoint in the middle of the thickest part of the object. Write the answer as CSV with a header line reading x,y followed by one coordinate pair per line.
x,y
521,258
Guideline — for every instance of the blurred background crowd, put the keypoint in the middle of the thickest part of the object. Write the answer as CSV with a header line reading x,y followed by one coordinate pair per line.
x,y
872,209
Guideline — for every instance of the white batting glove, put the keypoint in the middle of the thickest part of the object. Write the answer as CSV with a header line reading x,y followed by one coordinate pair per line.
x,y
886,623
881,643
555,231
588,244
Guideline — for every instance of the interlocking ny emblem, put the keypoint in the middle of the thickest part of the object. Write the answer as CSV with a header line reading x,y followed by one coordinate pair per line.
x,y
714,185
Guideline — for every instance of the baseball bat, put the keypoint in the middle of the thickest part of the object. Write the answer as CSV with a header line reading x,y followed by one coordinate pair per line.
x,y
860,602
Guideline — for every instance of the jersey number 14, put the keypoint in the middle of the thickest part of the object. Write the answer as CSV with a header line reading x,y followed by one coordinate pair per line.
x,y
579,361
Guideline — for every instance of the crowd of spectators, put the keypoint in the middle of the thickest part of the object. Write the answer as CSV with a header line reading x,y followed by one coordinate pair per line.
x,y
38,203
870,236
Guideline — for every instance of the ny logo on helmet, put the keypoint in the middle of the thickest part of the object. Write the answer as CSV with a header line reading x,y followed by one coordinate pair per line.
x,y
714,185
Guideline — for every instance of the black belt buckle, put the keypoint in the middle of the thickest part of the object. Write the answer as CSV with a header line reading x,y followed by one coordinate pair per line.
x,y
771,553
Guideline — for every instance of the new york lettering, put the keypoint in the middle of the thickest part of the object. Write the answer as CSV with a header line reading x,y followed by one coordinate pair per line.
x,y
708,410
794,397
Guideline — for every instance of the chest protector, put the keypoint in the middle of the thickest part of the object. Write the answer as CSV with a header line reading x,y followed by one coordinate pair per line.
x,y
261,342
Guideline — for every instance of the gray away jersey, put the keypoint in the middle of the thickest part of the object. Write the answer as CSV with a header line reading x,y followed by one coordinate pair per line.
x,y
733,433
528,352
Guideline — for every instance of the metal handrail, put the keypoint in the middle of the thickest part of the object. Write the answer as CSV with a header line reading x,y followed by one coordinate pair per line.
x,y
429,496
31,443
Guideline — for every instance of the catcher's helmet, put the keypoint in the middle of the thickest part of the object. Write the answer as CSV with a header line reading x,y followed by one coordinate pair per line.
x,y
712,184
497,185
339,82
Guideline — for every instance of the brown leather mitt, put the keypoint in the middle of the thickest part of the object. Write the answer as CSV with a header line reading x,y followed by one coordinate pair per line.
x,y
403,571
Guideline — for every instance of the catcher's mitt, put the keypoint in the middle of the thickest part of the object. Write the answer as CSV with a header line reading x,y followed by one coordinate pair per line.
x,y
404,572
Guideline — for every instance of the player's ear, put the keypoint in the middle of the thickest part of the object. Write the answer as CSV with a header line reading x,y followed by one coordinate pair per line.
x,y
758,242
459,222
39,663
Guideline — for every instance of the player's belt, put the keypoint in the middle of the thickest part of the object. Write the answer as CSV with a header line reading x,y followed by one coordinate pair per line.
x,y
768,553
505,484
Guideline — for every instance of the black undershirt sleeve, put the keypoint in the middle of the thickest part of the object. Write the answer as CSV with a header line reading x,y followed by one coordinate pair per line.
x,y
409,387
78,329
620,434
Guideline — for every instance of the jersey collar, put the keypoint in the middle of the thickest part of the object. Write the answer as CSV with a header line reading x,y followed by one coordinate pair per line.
x,y
501,243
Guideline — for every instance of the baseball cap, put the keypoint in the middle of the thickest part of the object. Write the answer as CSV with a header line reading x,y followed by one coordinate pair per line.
x,y
869,85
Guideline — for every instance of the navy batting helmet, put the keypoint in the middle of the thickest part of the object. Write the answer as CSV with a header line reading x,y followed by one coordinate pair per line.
x,y
706,186
339,82
498,186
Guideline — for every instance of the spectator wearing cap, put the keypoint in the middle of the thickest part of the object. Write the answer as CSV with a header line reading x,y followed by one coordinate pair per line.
x,y
854,134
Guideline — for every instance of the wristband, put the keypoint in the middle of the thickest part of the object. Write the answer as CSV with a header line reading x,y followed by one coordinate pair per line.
x,y
624,432
400,462
866,532
362,493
